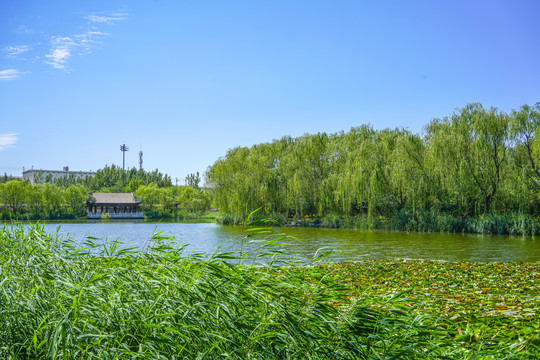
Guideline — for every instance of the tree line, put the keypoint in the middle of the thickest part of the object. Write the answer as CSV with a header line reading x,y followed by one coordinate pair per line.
x,y
110,179
474,163
67,197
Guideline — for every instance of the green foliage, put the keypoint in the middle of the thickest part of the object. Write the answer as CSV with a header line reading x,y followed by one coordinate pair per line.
x,y
169,200
111,179
470,150
21,200
331,221
230,219
67,198
75,197
239,219
60,301
485,310
5,178
524,124
193,180
12,195
517,224
115,179
426,221
192,199
475,163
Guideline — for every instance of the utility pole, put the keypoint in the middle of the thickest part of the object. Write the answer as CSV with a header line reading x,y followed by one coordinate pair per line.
x,y
123,149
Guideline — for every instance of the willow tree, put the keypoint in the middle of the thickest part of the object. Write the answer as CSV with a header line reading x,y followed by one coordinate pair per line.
x,y
76,197
420,181
305,165
13,195
467,164
396,180
53,199
229,178
357,151
471,150
525,123
329,187
262,177
34,200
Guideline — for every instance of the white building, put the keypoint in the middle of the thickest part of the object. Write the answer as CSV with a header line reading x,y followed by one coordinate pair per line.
x,y
40,176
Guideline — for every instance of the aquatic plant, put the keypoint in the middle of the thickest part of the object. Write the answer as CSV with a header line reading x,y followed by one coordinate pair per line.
x,y
99,299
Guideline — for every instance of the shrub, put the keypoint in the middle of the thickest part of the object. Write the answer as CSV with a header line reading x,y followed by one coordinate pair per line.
x,y
331,221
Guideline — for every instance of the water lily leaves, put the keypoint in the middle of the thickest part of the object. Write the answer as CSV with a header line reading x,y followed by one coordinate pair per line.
x,y
479,305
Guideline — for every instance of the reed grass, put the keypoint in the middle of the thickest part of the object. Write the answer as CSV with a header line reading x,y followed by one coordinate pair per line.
x,y
421,221
102,300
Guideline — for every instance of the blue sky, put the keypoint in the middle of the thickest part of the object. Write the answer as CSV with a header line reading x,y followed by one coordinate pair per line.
x,y
188,80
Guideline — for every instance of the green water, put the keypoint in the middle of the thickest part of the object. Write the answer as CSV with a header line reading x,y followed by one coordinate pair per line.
x,y
349,244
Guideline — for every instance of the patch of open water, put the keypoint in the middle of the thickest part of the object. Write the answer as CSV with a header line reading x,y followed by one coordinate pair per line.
x,y
351,245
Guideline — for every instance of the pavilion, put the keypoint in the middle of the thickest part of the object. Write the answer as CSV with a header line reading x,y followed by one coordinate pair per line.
x,y
117,205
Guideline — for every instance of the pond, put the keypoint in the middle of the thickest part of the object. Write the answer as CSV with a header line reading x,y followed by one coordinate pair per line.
x,y
350,245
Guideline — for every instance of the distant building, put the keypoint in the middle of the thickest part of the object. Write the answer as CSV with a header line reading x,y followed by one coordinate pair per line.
x,y
116,205
41,176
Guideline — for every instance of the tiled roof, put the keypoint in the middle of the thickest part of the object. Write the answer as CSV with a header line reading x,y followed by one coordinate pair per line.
x,y
115,198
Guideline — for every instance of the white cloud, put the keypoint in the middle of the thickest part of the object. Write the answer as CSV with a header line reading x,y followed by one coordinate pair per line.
x,y
60,51
7,141
22,29
65,46
88,40
106,19
13,51
10,74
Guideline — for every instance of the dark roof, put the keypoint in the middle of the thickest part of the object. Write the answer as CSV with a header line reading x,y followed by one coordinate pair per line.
x,y
115,198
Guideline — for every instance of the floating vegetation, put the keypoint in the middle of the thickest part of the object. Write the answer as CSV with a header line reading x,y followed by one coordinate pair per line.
x,y
63,300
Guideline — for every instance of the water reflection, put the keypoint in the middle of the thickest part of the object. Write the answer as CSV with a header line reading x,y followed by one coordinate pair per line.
x,y
351,244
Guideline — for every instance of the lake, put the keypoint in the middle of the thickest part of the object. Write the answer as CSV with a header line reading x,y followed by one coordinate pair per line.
x,y
351,245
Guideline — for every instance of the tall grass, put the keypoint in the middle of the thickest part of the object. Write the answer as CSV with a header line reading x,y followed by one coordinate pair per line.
x,y
240,219
177,215
41,215
499,224
60,300
424,221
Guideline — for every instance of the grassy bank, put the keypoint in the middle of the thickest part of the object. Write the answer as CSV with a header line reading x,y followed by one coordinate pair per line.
x,y
101,301
181,215
405,220
159,214
47,215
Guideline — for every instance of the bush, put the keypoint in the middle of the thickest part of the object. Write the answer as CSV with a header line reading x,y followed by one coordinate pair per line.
x,y
507,224
160,214
421,221
331,221
239,219
230,219
5,215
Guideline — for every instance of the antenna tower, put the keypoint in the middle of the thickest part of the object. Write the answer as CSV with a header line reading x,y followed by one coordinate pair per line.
x,y
123,149
140,159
